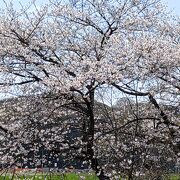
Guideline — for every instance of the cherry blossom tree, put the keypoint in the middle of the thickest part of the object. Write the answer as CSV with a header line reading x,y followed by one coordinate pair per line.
x,y
76,48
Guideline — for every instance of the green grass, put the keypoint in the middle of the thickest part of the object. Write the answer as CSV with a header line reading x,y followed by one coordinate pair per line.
x,y
174,177
67,176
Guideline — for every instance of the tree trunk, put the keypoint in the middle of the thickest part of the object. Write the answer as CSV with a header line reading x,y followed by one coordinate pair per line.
x,y
90,139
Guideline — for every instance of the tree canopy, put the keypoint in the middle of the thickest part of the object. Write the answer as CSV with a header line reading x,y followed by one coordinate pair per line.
x,y
70,50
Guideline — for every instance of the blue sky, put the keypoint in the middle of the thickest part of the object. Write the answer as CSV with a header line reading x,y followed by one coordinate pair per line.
x,y
173,5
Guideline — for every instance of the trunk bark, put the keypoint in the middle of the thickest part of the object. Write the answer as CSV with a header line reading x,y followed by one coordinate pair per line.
x,y
90,139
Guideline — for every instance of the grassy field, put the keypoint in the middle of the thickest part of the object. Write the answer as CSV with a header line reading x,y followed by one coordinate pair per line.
x,y
173,177
66,176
